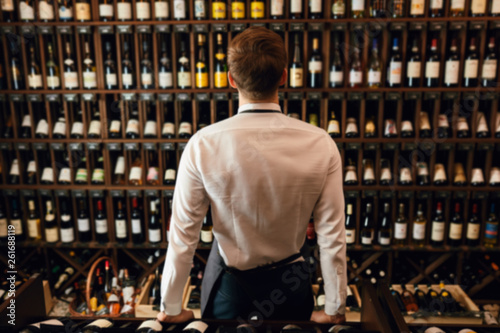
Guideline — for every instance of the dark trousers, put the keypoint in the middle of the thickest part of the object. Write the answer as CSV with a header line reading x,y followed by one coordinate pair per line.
x,y
282,293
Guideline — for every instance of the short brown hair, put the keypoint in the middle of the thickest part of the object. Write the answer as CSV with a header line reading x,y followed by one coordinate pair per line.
x,y
256,59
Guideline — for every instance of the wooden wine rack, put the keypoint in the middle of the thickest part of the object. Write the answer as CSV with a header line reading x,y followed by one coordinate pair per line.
x,y
346,101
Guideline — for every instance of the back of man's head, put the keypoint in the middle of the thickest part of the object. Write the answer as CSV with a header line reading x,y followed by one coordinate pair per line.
x,y
256,60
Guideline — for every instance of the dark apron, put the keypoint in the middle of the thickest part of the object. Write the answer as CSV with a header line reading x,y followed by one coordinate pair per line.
x,y
213,270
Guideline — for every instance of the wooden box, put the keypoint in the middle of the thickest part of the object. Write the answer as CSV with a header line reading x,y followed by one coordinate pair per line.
x,y
458,294
351,316
48,296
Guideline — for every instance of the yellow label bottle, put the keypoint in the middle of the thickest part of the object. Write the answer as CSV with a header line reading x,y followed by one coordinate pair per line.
x,y
201,76
238,10
219,10
257,9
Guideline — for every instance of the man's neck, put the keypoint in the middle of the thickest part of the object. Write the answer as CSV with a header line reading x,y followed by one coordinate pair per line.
x,y
244,100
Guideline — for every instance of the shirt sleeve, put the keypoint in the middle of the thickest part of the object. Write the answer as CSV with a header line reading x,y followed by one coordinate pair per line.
x,y
329,222
189,207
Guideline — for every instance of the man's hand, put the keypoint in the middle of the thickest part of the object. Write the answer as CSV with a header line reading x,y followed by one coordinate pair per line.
x,y
322,318
182,317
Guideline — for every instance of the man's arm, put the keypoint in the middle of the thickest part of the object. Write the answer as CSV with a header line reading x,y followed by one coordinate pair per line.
x,y
329,223
189,207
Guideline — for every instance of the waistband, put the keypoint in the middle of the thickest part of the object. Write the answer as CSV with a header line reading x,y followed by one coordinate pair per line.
x,y
264,268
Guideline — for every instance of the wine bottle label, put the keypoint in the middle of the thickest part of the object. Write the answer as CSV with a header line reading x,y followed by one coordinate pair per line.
x,y
136,226
315,66
338,7
7,5
143,10
417,7
439,172
81,175
455,231
418,231
489,71
296,6
26,11
83,225
105,10
406,126
238,10
443,121
77,128
436,4
71,80
321,300
196,326
161,9
98,176
296,75
101,323
165,79
277,7
366,239
95,127
495,175
33,228
383,239
478,6
51,235
65,175
135,173
120,166
170,174
184,79
115,126
369,174
14,168
473,231
350,236
35,81
65,13
147,79
67,235
121,228
168,128
48,175
336,77
82,11
53,81
451,72
424,121
133,126
257,9
414,67
434,330
400,230
31,167
350,175
374,77
313,119
355,77
491,230
477,176
124,10
462,124
405,174
357,5
471,68
46,11
482,126
201,79
101,226
437,233
90,80
60,128
152,325
127,79
206,236
495,7
394,74
3,228
219,10
457,4
333,127
497,126
180,9
111,79
351,128
390,127
154,235
152,174
220,79
432,70
26,121
42,127
386,174
185,128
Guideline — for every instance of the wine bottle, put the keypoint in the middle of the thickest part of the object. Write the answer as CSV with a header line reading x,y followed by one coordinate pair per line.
x,y
337,68
385,172
185,126
152,177
419,228
320,297
68,272
457,8
162,11
8,131
81,177
408,299
149,326
357,8
491,229
67,227
333,126
98,173
51,234
65,10
401,227
482,130
119,173
60,322
377,8
115,125
155,291
59,131
3,225
35,75
170,171
432,66
101,223
295,9
26,10
452,66
456,227
77,127
220,70
25,130
495,8
206,234
16,220
46,10
425,125
135,176
462,128
34,223
106,10
277,9
201,64
82,10
257,9
89,70
385,230
65,170
473,228
405,174
136,220
120,223
165,78
154,227
436,8
70,72
14,176
477,8
150,129
368,172
127,68
489,69
180,9
471,65
219,10
83,222
183,70
437,227
110,68
395,65
440,178
143,10
124,10
367,229
315,66
397,297
146,66
397,8
355,71
350,226
296,70
15,67
414,64
31,170
494,176
98,325
351,176
53,80
47,171
95,124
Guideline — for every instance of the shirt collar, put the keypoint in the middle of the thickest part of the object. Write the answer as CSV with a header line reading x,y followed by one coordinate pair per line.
x,y
259,106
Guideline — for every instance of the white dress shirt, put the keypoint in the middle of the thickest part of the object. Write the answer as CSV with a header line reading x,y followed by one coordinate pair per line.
x,y
264,174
